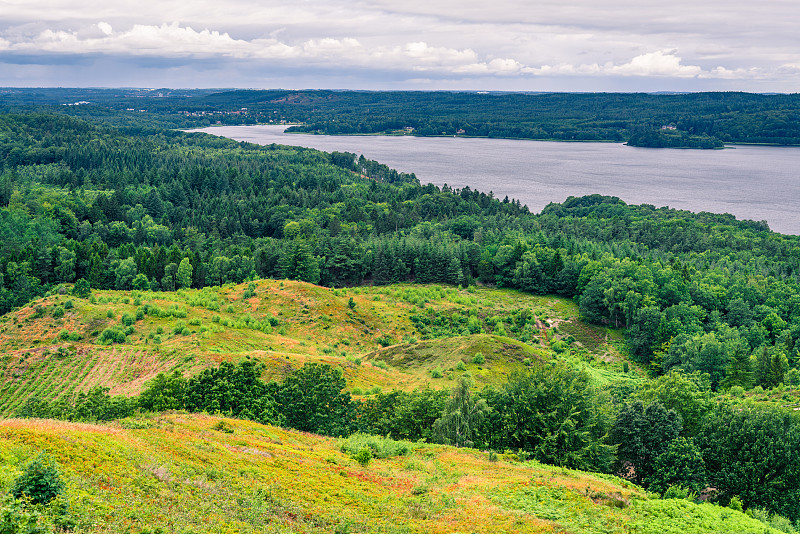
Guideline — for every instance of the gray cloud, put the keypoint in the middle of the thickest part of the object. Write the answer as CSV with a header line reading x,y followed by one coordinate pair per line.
x,y
505,44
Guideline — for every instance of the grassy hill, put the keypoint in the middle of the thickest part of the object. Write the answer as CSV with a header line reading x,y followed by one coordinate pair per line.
x,y
60,344
197,473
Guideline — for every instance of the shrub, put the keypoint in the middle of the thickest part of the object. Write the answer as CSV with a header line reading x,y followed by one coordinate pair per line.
x,y
736,391
40,481
678,492
460,366
379,447
68,305
112,335
63,334
82,289
735,504
128,319
386,340
14,517
58,312
478,358
364,456
436,373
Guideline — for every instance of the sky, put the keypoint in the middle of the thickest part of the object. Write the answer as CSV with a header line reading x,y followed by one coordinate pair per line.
x,y
513,45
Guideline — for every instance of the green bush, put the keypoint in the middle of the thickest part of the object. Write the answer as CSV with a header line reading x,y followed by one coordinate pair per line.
x,y
436,373
68,305
112,335
478,358
379,447
128,319
15,518
40,481
58,312
364,456
460,366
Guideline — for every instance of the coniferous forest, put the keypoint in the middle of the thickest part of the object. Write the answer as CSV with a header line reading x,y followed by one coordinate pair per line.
x,y
709,305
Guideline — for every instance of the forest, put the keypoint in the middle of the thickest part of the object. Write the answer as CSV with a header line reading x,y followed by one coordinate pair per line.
x,y
690,120
708,303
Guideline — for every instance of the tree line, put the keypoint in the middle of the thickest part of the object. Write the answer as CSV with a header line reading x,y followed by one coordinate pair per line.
x,y
669,434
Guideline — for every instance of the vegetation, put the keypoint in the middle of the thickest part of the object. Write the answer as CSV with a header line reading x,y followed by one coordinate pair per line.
x,y
144,271
700,120
174,473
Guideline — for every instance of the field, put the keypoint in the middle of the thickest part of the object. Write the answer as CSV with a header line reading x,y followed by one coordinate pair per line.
x,y
392,337
197,473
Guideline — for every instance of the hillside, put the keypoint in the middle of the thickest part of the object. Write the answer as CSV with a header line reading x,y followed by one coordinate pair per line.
x,y
55,345
197,473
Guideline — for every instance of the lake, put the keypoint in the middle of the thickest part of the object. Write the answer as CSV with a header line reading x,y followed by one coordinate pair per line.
x,y
750,182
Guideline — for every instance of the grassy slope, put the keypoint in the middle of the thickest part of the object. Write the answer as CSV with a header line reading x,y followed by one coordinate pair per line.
x,y
313,324
178,473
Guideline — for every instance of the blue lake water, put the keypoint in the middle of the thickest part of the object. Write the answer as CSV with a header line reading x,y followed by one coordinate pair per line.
x,y
750,182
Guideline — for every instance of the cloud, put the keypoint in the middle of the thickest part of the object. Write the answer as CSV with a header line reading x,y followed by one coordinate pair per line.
x,y
657,63
503,40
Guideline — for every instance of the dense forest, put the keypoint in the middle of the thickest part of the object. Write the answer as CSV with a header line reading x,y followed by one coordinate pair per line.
x,y
708,303
700,120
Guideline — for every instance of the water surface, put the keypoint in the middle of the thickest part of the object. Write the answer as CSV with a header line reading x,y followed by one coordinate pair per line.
x,y
750,182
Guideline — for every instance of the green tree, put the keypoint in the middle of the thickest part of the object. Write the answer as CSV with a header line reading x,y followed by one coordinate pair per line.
x,y
164,392
65,265
687,394
754,452
740,368
554,413
679,464
313,399
184,275
40,480
463,414
641,433
141,283
125,273
82,289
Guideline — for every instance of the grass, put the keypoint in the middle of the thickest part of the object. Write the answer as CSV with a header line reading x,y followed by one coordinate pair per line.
x,y
399,336
199,473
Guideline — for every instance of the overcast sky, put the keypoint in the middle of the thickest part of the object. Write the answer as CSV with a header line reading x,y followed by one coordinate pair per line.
x,y
549,45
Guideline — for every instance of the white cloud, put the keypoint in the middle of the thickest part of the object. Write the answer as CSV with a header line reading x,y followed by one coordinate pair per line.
x,y
657,63
105,27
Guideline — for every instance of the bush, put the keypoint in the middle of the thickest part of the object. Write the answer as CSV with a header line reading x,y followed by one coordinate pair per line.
x,y
128,319
736,391
58,313
735,504
40,481
364,456
678,492
81,289
379,447
68,305
460,366
478,358
14,518
112,335
436,373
